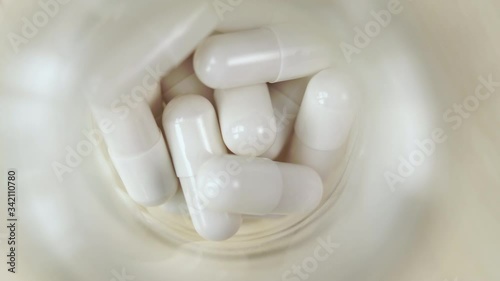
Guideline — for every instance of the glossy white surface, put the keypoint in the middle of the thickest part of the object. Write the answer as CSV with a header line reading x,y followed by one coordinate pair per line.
x,y
246,119
440,224
328,110
258,186
270,54
193,136
238,59
192,132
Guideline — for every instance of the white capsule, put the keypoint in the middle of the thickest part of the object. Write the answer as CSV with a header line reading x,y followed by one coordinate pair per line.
x,y
258,186
324,120
286,98
246,119
183,81
269,54
139,153
193,136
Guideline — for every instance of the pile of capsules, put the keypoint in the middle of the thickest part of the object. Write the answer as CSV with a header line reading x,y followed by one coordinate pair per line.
x,y
232,109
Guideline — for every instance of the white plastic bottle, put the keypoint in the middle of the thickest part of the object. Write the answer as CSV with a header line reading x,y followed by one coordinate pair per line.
x,y
236,15
193,136
324,121
286,98
246,119
269,54
258,186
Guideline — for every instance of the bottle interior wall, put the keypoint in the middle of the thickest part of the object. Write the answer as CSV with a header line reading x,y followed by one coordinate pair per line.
x,y
437,223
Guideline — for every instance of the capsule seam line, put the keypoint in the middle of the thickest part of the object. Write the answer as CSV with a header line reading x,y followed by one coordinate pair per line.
x,y
281,53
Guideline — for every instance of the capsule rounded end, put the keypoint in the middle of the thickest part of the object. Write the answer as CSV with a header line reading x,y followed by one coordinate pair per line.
x,y
247,119
249,139
187,107
328,110
222,228
209,63
332,89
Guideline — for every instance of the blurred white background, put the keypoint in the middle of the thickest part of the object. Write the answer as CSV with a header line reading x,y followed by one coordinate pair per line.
x,y
441,223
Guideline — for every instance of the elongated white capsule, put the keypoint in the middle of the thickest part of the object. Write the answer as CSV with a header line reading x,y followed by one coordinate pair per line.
x,y
193,136
132,73
183,81
246,119
269,54
324,120
258,186
286,98
139,153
